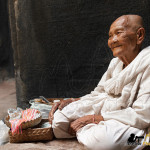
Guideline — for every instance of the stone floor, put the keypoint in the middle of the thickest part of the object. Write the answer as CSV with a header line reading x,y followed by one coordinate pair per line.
x,y
7,96
8,100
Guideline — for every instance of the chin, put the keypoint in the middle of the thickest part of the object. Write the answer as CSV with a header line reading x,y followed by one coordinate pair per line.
x,y
117,52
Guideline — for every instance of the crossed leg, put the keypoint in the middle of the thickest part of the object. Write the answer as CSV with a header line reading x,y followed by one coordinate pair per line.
x,y
107,135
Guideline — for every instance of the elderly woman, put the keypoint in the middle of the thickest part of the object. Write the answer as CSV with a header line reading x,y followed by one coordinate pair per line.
x,y
120,105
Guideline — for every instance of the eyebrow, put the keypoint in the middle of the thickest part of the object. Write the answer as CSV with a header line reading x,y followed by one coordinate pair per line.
x,y
116,29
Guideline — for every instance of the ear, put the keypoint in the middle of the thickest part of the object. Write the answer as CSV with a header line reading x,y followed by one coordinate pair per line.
x,y
140,35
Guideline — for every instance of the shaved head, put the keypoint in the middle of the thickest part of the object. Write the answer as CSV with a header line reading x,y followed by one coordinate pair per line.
x,y
133,22
126,35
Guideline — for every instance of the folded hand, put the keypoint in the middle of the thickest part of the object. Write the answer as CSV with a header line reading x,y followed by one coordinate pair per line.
x,y
81,122
60,105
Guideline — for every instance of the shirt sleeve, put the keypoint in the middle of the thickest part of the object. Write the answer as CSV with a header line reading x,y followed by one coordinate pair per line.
x,y
138,115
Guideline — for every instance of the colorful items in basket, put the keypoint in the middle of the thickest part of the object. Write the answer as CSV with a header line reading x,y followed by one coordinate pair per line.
x,y
26,115
41,105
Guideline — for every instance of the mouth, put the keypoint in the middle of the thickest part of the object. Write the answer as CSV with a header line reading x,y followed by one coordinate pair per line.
x,y
116,46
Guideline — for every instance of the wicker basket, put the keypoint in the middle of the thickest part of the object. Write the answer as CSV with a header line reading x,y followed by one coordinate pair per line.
x,y
27,124
32,134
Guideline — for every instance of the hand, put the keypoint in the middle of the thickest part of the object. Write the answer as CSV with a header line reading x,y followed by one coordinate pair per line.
x,y
51,113
66,102
81,122
60,105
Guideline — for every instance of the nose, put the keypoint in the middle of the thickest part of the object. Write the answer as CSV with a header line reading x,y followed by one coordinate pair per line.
x,y
114,39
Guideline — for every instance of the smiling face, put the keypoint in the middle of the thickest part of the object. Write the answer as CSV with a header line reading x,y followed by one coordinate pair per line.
x,y
122,38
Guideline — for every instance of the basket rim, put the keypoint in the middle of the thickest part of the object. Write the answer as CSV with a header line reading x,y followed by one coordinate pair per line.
x,y
33,122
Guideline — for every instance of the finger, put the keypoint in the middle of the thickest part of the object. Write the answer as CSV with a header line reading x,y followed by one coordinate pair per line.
x,y
70,128
51,113
73,126
55,107
60,107
63,104
77,124
71,131
77,129
50,119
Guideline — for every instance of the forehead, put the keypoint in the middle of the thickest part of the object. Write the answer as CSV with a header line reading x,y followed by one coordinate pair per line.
x,y
119,23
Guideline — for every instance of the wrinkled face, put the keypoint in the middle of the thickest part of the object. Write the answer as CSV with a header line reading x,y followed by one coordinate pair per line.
x,y
122,38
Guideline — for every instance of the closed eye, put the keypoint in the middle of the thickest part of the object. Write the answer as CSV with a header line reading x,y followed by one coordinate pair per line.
x,y
119,32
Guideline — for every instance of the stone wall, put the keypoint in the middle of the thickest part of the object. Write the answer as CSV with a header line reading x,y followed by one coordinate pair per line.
x,y
60,46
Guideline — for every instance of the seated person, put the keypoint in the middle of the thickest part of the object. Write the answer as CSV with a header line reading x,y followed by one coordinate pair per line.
x,y
120,105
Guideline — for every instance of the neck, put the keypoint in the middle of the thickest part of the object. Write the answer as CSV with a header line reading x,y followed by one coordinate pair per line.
x,y
128,59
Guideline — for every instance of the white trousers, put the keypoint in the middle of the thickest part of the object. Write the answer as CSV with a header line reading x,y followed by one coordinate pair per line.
x,y
107,135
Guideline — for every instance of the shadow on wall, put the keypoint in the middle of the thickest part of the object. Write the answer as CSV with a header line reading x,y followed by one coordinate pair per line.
x,y
61,47
6,52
